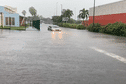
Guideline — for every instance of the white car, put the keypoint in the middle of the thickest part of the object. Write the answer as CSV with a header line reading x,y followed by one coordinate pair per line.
x,y
54,28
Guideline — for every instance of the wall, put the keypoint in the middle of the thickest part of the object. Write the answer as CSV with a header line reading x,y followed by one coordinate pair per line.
x,y
105,19
111,8
109,13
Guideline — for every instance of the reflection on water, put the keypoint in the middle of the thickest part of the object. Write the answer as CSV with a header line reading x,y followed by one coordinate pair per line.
x,y
29,57
1,31
54,34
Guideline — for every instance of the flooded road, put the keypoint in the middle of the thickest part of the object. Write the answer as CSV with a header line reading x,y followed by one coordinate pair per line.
x,y
66,57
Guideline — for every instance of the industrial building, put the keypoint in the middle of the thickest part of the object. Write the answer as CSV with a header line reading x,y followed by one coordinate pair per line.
x,y
109,13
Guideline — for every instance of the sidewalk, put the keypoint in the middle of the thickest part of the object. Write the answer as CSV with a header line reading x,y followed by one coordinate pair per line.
x,y
31,29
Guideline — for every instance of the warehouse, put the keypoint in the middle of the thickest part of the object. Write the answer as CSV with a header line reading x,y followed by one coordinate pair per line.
x,y
109,13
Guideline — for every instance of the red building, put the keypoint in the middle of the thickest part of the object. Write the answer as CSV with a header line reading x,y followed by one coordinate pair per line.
x,y
109,13
22,21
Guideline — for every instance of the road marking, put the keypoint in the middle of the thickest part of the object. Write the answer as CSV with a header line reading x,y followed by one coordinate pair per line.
x,y
110,54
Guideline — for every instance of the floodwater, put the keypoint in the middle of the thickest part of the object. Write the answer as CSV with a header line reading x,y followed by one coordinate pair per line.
x,y
46,57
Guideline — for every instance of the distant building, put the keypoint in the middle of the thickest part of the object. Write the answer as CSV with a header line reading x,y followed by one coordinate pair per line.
x,y
109,13
10,17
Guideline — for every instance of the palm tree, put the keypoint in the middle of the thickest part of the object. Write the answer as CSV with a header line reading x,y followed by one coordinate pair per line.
x,y
24,13
67,13
83,14
33,11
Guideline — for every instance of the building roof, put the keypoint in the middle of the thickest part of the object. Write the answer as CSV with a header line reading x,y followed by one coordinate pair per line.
x,y
11,8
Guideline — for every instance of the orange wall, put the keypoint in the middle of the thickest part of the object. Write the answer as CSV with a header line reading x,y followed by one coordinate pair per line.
x,y
111,18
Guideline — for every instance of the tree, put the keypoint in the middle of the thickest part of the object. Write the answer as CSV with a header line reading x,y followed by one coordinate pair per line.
x,y
67,13
24,13
41,17
83,14
71,20
55,19
33,11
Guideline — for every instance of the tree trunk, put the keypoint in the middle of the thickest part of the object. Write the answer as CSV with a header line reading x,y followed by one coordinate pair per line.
x,y
83,22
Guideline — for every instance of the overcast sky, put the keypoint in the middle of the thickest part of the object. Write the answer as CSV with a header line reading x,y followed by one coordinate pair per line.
x,y
47,8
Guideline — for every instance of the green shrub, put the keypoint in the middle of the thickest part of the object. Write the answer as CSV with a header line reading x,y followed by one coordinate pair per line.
x,y
116,29
90,28
65,24
72,25
120,30
102,29
111,28
124,32
95,28
80,27
60,24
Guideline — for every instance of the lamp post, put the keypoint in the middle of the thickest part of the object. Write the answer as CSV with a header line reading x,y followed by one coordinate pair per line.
x,y
93,13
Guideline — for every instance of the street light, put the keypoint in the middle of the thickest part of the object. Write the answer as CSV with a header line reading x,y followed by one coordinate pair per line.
x,y
93,13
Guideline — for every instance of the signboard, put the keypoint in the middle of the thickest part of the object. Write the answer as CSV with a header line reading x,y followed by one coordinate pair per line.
x,y
65,19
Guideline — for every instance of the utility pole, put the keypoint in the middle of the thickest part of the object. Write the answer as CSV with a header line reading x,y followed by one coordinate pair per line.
x,y
94,13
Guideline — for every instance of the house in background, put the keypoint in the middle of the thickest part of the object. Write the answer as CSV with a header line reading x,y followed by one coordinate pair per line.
x,y
10,17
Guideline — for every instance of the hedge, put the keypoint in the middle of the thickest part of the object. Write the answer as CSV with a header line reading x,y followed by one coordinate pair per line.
x,y
117,28
68,25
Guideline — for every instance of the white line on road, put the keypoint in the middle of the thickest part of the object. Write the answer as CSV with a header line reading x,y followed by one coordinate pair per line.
x,y
110,54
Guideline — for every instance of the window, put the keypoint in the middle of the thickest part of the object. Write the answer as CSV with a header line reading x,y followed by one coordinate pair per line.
x,y
7,21
13,21
10,21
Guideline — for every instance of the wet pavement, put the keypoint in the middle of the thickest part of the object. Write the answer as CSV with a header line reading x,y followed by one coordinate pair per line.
x,y
66,57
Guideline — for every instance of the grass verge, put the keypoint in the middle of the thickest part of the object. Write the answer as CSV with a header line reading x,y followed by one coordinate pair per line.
x,y
14,28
